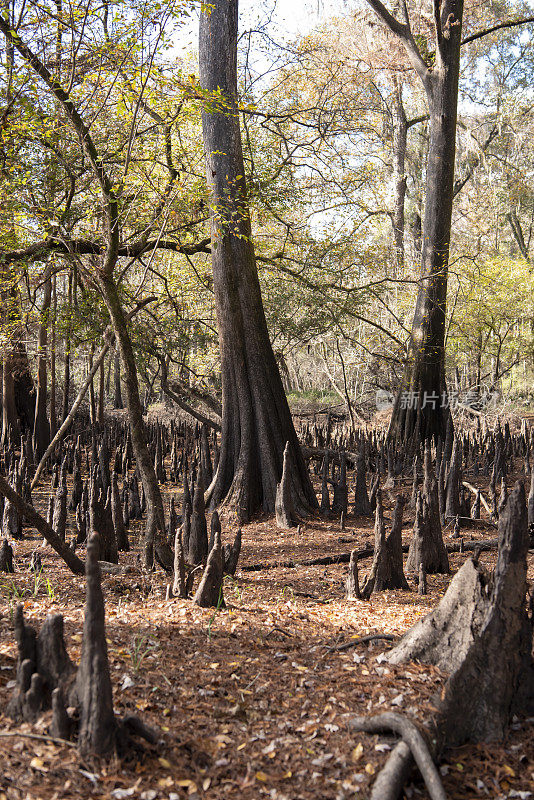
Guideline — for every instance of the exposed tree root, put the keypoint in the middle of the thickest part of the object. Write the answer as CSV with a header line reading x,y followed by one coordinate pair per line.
x,y
414,740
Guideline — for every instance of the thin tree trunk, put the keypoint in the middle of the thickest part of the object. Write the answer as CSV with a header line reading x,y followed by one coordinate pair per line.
x,y
101,384
117,400
83,391
53,418
155,536
66,377
41,428
400,133
10,420
92,401
424,379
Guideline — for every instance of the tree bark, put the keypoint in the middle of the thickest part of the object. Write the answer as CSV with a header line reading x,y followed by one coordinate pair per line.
x,y
117,395
155,525
66,361
400,134
53,419
425,416
256,421
41,427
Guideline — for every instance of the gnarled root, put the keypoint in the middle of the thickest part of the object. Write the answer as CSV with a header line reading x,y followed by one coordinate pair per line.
x,y
393,776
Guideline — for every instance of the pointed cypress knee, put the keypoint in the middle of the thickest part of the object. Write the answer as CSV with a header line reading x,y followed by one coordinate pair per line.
x,y
531,503
179,588
452,496
210,590
43,665
61,726
475,511
6,557
362,506
283,505
340,498
59,520
98,726
121,535
353,583
325,496
198,536
231,554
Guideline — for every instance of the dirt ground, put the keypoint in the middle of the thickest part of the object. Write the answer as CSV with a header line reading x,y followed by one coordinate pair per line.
x,y
251,700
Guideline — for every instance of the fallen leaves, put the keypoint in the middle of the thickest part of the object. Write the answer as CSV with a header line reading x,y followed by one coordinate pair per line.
x,y
260,708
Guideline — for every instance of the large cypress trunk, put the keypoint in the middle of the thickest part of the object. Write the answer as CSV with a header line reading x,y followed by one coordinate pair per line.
x,y
256,421
419,407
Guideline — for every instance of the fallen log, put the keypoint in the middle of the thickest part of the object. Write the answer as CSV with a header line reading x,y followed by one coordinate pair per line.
x,y
42,526
365,552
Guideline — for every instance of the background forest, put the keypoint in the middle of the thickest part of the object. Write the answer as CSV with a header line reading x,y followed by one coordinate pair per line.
x,y
335,137
266,321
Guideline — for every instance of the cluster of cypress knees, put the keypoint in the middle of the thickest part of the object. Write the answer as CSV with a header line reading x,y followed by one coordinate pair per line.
x,y
480,632
98,505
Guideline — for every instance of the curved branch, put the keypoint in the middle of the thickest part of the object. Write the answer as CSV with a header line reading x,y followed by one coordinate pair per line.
x,y
39,249
511,24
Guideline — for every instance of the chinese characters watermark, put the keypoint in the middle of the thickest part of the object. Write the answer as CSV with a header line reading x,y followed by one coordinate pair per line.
x,y
412,400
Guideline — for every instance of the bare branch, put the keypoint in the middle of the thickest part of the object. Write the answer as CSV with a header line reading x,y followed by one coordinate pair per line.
x,y
511,24
403,32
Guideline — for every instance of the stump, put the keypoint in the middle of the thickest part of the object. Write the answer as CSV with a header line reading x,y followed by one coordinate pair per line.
x,y
496,677
386,570
444,636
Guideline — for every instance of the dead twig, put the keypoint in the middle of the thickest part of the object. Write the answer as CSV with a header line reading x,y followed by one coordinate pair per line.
x,y
371,637
39,737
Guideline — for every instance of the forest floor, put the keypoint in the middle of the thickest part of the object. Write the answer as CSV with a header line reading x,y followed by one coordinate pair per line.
x,y
252,700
